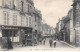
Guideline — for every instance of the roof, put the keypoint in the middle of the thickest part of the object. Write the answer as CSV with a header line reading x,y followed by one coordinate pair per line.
x,y
30,1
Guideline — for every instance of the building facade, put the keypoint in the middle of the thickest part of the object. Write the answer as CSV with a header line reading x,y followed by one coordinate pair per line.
x,y
58,29
37,25
47,31
72,30
76,22
66,29
18,20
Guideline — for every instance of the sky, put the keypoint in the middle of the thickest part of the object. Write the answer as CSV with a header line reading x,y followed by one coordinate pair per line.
x,y
53,10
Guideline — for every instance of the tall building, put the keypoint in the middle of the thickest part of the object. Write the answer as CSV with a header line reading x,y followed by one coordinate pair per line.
x,y
65,28
72,31
18,20
76,21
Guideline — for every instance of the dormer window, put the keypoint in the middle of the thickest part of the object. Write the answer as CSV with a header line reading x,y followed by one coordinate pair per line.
x,y
22,5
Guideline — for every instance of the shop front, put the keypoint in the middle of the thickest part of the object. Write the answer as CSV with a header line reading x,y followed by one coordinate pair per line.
x,y
35,37
10,33
28,36
17,34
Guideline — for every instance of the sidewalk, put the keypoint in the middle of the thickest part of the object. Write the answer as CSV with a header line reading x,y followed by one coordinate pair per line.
x,y
68,44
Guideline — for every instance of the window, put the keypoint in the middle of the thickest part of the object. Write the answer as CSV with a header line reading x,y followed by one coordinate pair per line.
x,y
6,18
29,9
14,19
26,21
29,21
22,20
22,3
35,18
77,35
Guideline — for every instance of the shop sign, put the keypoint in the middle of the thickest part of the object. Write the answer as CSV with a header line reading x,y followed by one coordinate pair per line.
x,y
9,28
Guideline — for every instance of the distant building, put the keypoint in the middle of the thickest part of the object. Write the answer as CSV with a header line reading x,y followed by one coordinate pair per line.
x,y
58,29
47,30
65,28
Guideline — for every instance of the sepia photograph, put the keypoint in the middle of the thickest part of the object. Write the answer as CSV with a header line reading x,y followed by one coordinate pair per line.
x,y
39,25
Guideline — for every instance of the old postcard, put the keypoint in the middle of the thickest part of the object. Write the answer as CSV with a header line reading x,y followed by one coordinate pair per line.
x,y
39,25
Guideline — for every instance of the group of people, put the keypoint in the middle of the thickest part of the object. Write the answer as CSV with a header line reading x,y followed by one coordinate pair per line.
x,y
52,42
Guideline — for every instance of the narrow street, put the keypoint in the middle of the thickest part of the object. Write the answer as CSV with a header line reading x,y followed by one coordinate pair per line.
x,y
59,46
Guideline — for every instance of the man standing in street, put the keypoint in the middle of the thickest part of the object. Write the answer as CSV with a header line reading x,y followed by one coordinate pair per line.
x,y
44,42
23,42
9,44
54,43
50,42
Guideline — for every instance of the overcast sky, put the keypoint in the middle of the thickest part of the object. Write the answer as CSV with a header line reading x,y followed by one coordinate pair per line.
x,y
52,10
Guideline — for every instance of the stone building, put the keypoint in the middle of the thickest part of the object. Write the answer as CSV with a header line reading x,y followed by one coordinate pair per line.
x,y
65,28
47,30
37,24
72,31
18,20
76,20
58,29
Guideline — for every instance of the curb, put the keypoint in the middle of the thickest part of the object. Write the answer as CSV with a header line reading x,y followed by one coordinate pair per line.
x,y
68,44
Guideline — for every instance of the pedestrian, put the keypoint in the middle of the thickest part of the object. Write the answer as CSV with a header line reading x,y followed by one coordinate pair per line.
x,y
23,42
9,44
41,41
44,42
50,42
54,43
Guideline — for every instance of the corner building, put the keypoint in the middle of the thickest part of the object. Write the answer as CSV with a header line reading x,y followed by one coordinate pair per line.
x,y
17,21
